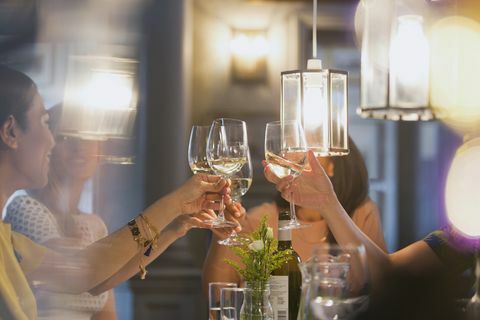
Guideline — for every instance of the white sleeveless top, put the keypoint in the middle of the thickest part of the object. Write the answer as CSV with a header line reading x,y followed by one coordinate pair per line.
x,y
33,219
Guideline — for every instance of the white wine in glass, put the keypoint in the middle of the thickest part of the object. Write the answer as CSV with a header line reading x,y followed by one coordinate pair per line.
x,y
285,153
197,150
227,150
241,182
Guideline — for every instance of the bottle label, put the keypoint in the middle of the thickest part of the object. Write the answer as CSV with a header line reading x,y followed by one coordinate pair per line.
x,y
279,296
284,235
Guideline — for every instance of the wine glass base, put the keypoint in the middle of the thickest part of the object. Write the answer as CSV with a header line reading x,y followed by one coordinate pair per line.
x,y
230,241
294,225
217,224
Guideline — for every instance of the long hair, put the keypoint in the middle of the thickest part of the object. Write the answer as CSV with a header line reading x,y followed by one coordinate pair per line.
x,y
350,182
16,95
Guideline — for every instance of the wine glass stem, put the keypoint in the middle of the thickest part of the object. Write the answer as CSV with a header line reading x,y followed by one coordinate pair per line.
x,y
293,214
221,215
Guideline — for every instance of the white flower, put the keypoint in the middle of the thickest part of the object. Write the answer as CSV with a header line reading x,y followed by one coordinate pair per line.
x,y
256,245
269,233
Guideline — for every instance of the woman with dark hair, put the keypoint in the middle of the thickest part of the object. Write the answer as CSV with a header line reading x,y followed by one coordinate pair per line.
x,y
25,148
51,216
419,281
349,177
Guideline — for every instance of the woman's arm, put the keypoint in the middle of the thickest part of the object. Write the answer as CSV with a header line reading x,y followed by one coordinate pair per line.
x,y
367,218
86,269
175,230
313,189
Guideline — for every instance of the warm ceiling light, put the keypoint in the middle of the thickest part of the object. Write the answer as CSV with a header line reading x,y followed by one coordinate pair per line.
x,y
249,49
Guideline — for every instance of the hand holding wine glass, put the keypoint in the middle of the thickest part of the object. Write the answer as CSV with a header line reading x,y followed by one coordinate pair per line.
x,y
285,152
227,150
240,183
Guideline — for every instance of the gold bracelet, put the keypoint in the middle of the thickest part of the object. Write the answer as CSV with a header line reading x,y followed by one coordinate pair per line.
x,y
136,234
142,244
152,245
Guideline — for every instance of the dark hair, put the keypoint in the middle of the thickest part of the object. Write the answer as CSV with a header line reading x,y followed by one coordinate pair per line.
x,y
350,182
17,91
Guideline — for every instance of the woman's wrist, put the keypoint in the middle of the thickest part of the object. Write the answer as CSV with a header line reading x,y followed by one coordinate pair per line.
x,y
331,207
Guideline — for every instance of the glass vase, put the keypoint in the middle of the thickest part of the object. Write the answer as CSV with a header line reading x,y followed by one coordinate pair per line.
x,y
256,304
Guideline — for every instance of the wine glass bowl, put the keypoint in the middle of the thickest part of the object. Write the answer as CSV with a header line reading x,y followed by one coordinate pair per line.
x,y
285,153
240,183
242,180
227,152
197,150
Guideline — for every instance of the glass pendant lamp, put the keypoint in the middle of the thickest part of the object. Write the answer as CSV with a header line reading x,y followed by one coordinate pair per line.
x,y
317,99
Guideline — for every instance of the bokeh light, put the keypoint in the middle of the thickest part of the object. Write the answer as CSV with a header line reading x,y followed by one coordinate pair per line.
x,y
455,66
462,189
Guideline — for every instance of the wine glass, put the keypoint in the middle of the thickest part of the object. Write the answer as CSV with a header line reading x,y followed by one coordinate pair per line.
x,y
241,182
327,277
227,149
197,150
214,298
285,152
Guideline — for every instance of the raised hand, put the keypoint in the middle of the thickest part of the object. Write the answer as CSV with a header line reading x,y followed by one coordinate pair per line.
x,y
234,212
182,224
311,189
201,192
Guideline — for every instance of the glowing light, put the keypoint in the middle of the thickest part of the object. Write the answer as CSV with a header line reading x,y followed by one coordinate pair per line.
x,y
455,66
249,50
462,191
107,90
409,64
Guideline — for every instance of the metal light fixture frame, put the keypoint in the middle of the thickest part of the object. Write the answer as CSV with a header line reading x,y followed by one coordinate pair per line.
x,y
332,147
320,111
386,111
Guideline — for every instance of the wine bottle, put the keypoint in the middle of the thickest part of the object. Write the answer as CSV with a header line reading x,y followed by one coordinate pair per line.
x,y
286,281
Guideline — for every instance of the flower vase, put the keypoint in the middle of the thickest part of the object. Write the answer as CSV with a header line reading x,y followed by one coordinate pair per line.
x,y
256,304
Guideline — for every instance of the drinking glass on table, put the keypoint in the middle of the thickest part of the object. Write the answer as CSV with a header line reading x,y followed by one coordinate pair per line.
x,y
227,150
214,298
231,302
285,153
241,182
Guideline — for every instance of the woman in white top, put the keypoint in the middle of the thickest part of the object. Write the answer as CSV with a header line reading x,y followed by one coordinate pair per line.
x,y
25,148
51,216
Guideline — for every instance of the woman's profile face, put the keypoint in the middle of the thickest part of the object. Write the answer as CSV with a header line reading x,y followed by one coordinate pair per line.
x,y
35,142
75,158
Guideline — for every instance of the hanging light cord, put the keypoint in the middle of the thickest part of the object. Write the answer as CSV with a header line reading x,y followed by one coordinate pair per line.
x,y
314,31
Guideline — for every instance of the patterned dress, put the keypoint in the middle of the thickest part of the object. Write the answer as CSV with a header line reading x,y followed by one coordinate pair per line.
x,y
33,219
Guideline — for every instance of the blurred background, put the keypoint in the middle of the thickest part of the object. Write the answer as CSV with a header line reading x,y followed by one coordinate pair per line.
x,y
198,60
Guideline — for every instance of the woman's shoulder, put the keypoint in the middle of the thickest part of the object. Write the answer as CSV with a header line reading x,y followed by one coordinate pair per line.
x,y
26,206
32,218
367,209
25,202
267,208
255,215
